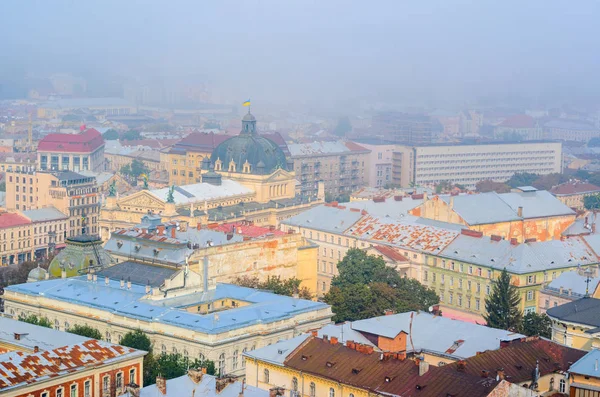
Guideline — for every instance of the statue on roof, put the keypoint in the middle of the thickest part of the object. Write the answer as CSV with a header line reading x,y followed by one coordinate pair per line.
x,y
170,194
112,190
145,179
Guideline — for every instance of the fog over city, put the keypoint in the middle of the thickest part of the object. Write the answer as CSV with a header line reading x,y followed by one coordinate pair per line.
x,y
332,53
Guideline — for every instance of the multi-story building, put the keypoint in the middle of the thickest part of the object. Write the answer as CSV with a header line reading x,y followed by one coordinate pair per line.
x,y
17,161
469,164
72,152
44,362
573,193
106,106
570,130
526,214
379,164
179,310
15,231
568,287
577,324
49,230
470,122
73,194
153,160
404,128
519,127
341,166
584,376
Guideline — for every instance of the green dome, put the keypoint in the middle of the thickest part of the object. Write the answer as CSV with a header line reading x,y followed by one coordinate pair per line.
x,y
263,155
36,274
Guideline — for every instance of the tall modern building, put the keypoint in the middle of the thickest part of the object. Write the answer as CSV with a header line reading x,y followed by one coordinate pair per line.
x,y
469,164
404,128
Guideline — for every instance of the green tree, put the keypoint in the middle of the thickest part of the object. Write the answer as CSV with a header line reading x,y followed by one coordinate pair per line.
x,y
502,305
534,324
548,181
594,142
131,135
135,169
521,179
33,319
343,126
2,186
110,135
365,287
592,202
86,330
139,340
287,287
491,186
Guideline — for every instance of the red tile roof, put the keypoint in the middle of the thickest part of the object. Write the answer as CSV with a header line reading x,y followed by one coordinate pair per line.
x,y
391,253
247,230
85,142
387,376
12,220
574,188
519,121
20,367
199,142
356,147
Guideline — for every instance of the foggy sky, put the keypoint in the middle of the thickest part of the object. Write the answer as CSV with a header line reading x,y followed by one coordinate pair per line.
x,y
425,52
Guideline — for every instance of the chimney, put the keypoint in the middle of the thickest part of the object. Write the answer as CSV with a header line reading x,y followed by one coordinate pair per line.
x,y
388,312
350,344
314,333
36,349
144,230
221,383
520,212
122,283
89,276
173,232
461,365
106,280
199,226
196,374
423,366
161,385
560,290
128,282
161,230
63,273
500,374
132,390
325,338
95,278
513,241
334,340
148,287
451,205
570,292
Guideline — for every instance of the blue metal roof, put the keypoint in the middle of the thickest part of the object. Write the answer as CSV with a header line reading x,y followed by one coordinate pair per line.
x,y
264,307
588,364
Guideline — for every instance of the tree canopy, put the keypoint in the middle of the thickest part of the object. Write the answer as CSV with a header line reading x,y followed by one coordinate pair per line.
x,y
592,202
278,285
35,320
502,305
594,142
366,287
522,179
535,324
131,135
135,169
85,330
491,186
111,135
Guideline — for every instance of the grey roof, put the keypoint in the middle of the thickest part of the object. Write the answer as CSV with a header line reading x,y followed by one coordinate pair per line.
x,y
184,386
324,218
277,352
570,125
521,258
70,176
492,207
593,241
138,273
320,148
44,214
583,311
573,281
200,192
101,177
34,335
587,365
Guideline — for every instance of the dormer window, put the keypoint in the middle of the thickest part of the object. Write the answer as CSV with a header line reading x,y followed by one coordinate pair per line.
x,y
247,167
119,243
137,247
232,166
218,165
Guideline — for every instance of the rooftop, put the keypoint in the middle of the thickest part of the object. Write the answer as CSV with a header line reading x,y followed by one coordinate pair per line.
x,y
587,365
570,188
137,273
31,335
200,192
247,230
519,121
44,214
574,282
84,142
86,103
263,307
8,219
20,369
570,125
583,311
325,148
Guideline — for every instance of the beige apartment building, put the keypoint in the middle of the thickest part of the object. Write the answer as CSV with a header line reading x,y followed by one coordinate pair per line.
x,y
341,166
73,194
379,164
469,164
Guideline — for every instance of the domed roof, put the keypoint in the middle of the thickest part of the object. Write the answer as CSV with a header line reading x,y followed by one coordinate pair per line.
x,y
36,274
263,155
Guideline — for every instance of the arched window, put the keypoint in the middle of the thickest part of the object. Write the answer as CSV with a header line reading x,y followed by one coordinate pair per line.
x,y
551,384
66,325
562,386
222,364
266,379
56,322
234,361
107,336
174,350
163,349
200,356
351,395
294,384
331,392
186,354
244,350
313,389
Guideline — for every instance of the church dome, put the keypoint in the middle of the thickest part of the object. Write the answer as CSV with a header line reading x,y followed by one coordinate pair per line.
x,y
248,148
36,274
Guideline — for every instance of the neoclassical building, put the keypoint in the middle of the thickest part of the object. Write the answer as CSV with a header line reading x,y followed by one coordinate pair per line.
x,y
246,178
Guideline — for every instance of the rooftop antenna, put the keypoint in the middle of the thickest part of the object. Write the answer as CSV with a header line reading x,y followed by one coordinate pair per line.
x,y
587,272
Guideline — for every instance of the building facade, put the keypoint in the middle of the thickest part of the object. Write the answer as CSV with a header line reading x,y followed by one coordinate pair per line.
x,y
72,152
341,166
403,128
73,194
379,165
469,164
572,194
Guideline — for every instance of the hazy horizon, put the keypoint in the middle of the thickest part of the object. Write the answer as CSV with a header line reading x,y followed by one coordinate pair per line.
x,y
334,53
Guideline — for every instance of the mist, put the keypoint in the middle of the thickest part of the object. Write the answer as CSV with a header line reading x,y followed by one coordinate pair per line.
x,y
332,53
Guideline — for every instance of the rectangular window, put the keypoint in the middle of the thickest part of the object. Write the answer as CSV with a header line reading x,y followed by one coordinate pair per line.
x,y
425,275
450,297
132,375
489,274
442,278
470,269
44,394
119,380
451,280
459,300
477,304
433,277
73,391
59,392
461,268
106,384
86,389
487,289
530,295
